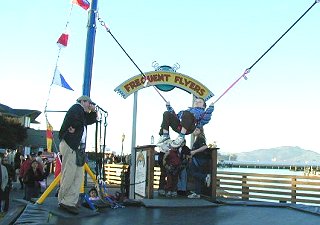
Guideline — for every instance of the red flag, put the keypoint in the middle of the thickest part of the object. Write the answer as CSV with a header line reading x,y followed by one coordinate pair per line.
x,y
63,40
82,3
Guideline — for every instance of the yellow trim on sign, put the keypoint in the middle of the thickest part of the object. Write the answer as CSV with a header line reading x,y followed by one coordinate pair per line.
x,y
179,80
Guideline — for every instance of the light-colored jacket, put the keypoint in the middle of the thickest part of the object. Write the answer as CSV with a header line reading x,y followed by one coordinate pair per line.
x,y
4,176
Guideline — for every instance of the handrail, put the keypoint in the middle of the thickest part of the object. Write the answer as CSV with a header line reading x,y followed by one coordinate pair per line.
x,y
248,186
270,187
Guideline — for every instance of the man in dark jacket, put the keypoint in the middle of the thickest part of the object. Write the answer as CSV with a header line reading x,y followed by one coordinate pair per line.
x,y
73,135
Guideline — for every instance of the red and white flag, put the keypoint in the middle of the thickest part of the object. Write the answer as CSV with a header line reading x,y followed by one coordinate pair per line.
x,y
63,40
82,3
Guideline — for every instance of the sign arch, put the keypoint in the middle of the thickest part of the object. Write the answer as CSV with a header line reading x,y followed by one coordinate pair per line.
x,y
165,81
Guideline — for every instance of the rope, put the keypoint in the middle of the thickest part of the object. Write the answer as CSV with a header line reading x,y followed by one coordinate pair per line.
x,y
56,65
248,70
144,76
57,60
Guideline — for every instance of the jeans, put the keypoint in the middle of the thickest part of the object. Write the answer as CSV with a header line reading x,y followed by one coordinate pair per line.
x,y
182,180
197,172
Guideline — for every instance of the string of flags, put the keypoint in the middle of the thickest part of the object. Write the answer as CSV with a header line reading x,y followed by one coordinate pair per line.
x,y
58,78
62,42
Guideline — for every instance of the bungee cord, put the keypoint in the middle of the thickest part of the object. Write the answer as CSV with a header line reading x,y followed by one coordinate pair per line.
x,y
114,38
249,69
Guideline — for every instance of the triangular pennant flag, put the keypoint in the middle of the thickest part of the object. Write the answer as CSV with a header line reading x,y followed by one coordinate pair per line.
x,y
63,40
82,3
59,80
49,135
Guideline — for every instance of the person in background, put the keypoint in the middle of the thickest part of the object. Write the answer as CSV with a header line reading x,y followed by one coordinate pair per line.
x,y
25,167
198,163
73,134
185,156
18,157
31,179
47,158
27,164
39,158
185,122
11,154
4,178
6,193
46,167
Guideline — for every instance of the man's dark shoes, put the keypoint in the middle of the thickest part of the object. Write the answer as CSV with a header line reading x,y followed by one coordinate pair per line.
x,y
70,209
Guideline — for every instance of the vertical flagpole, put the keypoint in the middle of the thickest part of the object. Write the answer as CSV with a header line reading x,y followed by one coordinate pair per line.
x,y
91,33
88,61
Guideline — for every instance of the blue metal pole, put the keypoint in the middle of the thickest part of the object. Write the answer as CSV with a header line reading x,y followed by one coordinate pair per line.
x,y
91,34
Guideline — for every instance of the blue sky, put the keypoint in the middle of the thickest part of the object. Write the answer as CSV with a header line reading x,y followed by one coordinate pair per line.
x,y
213,42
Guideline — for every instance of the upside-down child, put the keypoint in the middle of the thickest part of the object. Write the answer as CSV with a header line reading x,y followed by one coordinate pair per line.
x,y
185,122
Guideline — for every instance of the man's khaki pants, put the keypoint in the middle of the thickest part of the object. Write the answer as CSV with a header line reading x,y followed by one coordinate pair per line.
x,y
71,176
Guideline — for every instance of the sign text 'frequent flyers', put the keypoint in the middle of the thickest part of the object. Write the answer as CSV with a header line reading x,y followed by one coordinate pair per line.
x,y
164,78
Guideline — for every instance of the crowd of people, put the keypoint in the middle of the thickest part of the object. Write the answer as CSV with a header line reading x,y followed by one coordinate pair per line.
x,y
29,170
177,161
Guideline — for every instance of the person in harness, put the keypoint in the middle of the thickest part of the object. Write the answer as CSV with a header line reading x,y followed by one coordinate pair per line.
x,y
184,123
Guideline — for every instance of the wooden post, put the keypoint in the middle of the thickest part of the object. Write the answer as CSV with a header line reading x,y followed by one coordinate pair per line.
x,y
150,172
245,190
214,158
293,190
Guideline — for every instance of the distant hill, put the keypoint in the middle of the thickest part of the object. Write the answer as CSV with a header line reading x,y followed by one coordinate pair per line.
x,y
280,154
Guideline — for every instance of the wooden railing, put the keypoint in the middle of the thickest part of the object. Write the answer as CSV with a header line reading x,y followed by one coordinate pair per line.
x,y
114,172
247,186
270,187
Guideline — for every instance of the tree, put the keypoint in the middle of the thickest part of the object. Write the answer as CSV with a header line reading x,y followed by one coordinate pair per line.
x,y
12,133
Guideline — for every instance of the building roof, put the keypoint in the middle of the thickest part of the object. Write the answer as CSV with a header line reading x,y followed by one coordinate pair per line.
x,y
38,138
8,111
